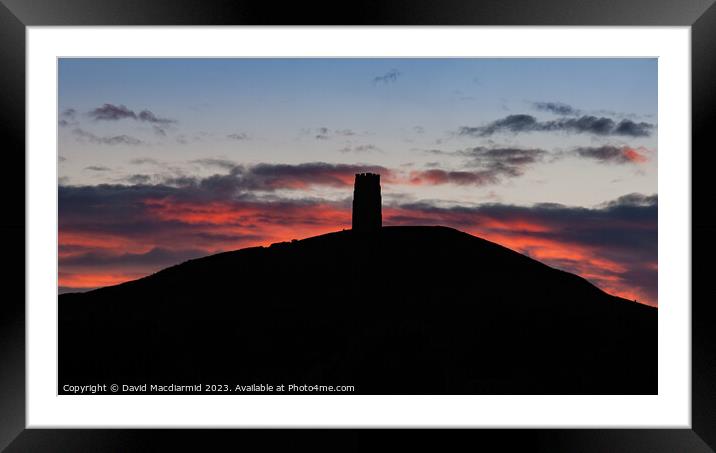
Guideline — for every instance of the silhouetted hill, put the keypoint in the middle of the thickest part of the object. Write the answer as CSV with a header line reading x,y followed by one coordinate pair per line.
x,y
402,310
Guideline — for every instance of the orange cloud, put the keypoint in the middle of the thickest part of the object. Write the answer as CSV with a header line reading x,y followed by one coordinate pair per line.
x,y
524,236
633,155
215,226
212,227
91,279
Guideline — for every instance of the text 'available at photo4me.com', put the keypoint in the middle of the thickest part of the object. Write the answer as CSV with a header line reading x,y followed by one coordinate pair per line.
x,y
198,389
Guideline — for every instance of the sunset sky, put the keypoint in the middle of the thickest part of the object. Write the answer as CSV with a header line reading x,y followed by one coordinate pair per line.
x,y
164,160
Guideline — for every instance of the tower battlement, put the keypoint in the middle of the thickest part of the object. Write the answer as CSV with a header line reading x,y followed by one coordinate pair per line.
x,y
367,211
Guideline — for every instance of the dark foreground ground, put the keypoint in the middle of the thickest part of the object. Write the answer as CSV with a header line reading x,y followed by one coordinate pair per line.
x,y
407,310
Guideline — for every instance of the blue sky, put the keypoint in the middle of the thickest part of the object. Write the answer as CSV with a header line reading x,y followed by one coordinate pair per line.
x,y
278,103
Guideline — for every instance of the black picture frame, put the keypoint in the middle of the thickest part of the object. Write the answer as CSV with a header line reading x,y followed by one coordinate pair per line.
x,y
16,15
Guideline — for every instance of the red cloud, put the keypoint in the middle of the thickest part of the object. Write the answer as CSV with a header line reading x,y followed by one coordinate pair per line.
x,y
210,227
122,236
540,241
438,177
632,155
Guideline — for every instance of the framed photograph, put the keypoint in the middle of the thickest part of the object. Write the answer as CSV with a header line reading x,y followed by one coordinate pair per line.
x,y
464,217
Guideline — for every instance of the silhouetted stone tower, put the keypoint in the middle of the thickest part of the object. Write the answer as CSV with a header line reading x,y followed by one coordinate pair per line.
x,y
367,214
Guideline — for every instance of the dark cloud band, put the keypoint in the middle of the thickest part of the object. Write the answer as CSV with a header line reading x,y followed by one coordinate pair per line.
x,y
617,240
611,154
389,77
111,140
585,124
556,108
111,112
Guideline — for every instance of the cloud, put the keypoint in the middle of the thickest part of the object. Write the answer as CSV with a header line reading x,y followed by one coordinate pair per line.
x,y
586,124
81,134
325,133
389,77
493,164
277,176
68,117
214,162
512,161
632,200
242,179
144,160
438,177
556,108
138,179
614,244
633,129
135,230
509,161
97,168
138,229
322,133
111,112
483,166
559,108
511,123
240,136
360,149
156,256
612,154
149,117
